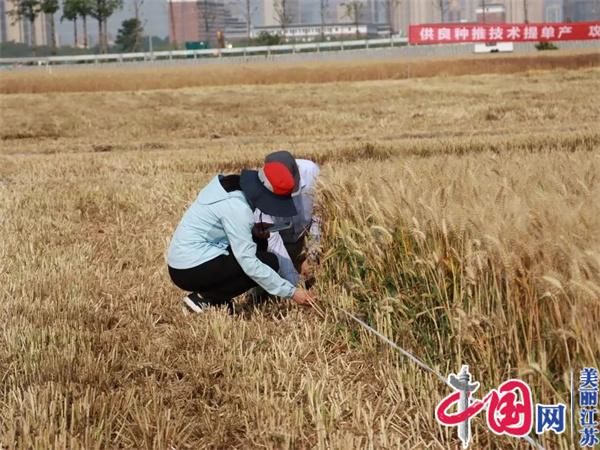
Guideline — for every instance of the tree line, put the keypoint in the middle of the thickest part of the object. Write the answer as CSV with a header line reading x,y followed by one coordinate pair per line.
x,y
99,10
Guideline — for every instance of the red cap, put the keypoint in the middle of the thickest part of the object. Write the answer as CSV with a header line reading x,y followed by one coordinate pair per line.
x,y
277,178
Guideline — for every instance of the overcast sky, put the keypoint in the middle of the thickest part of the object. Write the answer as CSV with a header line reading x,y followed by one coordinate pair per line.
x,y
154,12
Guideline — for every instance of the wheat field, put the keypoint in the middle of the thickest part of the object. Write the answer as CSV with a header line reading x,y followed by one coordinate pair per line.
x,y
461,219
216,72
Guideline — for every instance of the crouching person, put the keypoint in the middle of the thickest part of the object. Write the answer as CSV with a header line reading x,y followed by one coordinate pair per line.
x,y
295,245
213,253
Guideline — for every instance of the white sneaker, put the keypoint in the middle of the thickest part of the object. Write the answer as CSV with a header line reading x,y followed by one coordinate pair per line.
x,y
195,303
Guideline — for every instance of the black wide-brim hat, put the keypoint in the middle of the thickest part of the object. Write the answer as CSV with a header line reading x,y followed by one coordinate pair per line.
x,y
262,198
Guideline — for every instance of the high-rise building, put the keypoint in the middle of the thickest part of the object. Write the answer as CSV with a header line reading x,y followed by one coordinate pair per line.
x,y
424,12
268,10
310,11
553,11
330,11
581,10
184,21
210,21
240,17
189,22
491,13
293,10
276,10
452,11
468,8
241,9
3,22
537,11
517,11
520,11
340,12
370,11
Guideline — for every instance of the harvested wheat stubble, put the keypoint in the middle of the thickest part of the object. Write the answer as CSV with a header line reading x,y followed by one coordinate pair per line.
x,y
460,218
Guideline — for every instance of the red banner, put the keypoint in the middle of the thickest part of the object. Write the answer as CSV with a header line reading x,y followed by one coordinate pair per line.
x,y
452,33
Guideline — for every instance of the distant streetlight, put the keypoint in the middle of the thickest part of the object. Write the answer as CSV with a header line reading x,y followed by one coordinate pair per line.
x,y
150,48
483,10
408,12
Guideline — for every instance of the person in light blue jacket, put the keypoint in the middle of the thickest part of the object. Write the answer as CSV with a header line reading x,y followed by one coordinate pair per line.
x,y
217,251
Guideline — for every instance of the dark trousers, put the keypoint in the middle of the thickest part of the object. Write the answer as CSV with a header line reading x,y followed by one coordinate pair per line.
x,y
296,252
220,279
298,256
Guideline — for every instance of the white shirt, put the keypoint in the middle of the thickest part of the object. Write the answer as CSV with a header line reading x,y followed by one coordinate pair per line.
x,y
302,224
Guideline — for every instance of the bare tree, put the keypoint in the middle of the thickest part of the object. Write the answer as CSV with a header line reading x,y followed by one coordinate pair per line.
x,y
323,8
391,7
282,14
353,12
442,5
525,11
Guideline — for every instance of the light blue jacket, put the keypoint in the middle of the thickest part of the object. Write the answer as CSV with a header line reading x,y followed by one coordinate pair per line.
x,y
215,220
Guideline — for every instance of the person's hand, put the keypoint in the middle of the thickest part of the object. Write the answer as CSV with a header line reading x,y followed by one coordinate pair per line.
x,y
306,270
303,298
260,230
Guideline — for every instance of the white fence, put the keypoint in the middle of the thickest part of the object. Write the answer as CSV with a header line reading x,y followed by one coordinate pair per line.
x,y
211,53
372,48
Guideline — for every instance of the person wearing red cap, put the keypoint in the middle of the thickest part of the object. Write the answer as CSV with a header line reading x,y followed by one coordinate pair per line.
x,y
213,253
296,242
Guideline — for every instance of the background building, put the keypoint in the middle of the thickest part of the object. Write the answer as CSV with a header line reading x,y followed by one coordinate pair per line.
x,y
204,21
330,31
553,11
184,21
581,10
428,11
519,11
17,30
293,11
491,13
201,20
238,12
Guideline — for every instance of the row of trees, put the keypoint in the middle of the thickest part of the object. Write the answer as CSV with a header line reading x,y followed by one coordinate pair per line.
x,y
29,10
100,10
